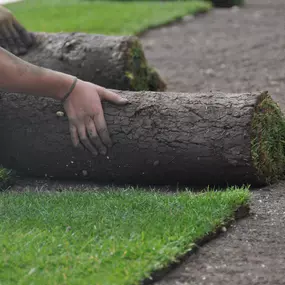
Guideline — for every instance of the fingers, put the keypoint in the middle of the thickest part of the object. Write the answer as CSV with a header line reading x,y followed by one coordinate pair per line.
x,y
85,140
94,137
89,119
12,40
8,39
28,39
17,39
111,96
102,129
74,136
13,36
92,134
21,48
3,42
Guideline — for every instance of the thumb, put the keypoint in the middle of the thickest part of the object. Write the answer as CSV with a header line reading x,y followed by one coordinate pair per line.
x,y
112,97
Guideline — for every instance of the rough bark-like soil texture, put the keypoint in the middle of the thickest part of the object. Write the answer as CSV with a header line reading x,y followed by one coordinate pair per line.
x,y
159,138
233,50
116,62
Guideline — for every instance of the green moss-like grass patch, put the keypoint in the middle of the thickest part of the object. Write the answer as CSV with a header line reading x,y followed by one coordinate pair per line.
x,y
140,75
111,237
6,178
268,139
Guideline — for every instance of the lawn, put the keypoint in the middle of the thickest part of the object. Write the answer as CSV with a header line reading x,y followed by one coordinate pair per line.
x,y
109,18
110,237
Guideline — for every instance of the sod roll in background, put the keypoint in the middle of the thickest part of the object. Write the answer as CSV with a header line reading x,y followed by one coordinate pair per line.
x,y
216,3
160,138
227,3
111,61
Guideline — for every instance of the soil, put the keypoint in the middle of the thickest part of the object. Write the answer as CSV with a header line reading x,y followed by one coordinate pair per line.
x,y
252,251
231,50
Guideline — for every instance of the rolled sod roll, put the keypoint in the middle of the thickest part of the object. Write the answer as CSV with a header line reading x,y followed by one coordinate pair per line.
x,y
227,3
116,62
161,138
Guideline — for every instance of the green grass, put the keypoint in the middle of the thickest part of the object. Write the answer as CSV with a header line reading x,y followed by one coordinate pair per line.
x,y
112,237
268,139
6,178
109,18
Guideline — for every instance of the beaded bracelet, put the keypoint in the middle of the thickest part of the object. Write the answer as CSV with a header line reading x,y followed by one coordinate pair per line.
x,y
70,90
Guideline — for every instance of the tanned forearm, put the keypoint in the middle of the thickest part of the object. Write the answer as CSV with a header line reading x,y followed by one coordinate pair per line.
x,y
19,76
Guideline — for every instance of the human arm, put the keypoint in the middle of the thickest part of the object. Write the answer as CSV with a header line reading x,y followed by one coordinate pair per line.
x,y
13,36
83,106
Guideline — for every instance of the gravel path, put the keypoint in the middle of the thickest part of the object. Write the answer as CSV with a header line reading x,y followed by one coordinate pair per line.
x,y
232,50
251,252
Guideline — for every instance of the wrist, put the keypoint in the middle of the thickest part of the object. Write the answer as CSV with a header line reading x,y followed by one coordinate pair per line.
x,y
68,93
62,85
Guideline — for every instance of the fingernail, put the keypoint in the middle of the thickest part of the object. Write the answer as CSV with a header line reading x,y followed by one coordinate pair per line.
x,y
125,101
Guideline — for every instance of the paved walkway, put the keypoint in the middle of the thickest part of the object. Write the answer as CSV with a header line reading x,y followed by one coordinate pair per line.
x,y
237,50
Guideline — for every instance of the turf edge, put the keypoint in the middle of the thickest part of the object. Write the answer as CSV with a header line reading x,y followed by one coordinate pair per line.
x,y
268,140
240,213
174,21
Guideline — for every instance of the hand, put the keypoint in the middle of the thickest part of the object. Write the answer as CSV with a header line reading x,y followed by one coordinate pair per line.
x,y
87,124
13,37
